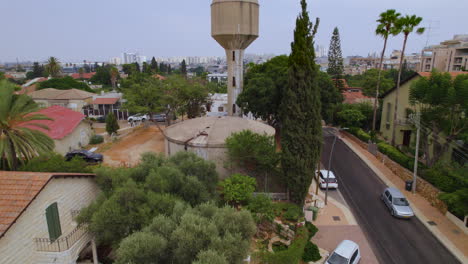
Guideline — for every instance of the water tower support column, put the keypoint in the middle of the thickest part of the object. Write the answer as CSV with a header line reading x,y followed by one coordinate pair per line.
x,y
235,63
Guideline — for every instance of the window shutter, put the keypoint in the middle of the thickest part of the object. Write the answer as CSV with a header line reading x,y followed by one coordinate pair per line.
x,y
53,222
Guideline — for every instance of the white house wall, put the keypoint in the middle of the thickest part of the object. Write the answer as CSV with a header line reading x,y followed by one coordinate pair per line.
x,y
18,246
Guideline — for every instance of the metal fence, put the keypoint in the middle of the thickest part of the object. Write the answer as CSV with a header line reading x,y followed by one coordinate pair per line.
x,y
61,243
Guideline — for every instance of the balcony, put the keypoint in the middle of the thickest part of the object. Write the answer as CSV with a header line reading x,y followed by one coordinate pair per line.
x,y
458,60
62,243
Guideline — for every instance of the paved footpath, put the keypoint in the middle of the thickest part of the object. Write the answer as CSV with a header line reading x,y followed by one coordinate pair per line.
x,y
449,234
336,223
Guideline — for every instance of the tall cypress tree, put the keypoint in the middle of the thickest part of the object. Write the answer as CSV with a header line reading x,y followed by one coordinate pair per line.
x,y
154,65
301,130
335,59
183,68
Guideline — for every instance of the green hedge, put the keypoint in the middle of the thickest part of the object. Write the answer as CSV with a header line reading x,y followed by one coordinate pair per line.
x,y
359,133
294,252
396,155
96,139
311,252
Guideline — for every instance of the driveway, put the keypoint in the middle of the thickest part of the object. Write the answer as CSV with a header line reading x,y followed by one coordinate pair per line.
x,y
393,240
127,150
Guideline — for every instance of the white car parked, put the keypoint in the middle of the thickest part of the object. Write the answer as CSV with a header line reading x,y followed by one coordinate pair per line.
x,y
347,252
332,181
137,117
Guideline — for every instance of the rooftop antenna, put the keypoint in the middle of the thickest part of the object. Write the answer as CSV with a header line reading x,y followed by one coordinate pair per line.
x,y
433,26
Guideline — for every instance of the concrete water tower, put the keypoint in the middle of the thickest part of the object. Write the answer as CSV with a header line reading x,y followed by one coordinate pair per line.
x,y
234,25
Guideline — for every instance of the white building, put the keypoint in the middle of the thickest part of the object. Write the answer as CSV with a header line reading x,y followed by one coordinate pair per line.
x,y
115,61
129,58
37,217
218,105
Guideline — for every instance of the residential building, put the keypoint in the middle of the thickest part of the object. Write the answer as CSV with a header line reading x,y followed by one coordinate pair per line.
x,y
31,85
115,61
412,61
83,76
448,56
354,95
404,128
106,103
73,99
37,217
217,77
69,129
218,106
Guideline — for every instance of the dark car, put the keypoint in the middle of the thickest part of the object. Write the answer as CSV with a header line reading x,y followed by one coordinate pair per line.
x,y
88,156
101,119
159,118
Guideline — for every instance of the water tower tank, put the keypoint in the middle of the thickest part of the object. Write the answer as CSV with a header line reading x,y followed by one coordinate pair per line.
x,y
234,25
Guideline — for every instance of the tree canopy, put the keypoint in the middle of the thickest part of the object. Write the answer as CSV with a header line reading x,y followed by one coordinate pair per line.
x,y
64,83
301,130
335,59
19,144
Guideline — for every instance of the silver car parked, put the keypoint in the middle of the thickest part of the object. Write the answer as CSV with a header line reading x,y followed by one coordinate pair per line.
x,y
397,203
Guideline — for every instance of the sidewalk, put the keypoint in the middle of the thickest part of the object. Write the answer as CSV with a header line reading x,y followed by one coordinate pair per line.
x,y
337,223
449,234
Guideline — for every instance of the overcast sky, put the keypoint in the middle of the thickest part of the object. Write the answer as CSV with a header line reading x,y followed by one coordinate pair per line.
x,y
100,29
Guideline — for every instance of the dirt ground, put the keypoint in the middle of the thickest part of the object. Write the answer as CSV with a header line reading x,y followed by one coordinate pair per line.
x,y
127,150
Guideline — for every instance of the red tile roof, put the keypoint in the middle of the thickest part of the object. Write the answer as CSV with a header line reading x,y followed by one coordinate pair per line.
x,y
9,76
63,123
160,77
86,75
105,101
354,95
18,190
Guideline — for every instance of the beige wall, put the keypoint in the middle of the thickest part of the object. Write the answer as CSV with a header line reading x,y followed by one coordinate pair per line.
x,y
387,122
75,105
17,246
80,135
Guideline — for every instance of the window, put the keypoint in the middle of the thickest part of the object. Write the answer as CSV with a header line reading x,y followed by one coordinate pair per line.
x,y
233,108
353,258
233,81
233,56
220,109
387,193
53,222
389,111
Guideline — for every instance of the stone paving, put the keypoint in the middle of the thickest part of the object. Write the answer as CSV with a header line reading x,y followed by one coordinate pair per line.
x,y
336,223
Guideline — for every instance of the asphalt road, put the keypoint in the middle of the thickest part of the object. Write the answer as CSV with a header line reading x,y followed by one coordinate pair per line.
x,y
394,241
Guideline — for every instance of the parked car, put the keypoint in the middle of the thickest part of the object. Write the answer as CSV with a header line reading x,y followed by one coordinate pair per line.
x,y
85,154
101,119
397,203
347,252
137,117
332,181
159,118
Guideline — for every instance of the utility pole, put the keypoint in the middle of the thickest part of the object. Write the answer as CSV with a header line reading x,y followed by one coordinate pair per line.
x,y
415,172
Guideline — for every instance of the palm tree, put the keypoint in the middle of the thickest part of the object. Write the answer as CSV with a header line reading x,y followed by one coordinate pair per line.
x,y
53,67
385,28
17,142
406,25
114,73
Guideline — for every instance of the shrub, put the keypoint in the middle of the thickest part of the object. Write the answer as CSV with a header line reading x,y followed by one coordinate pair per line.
x,y
278,246
294,252
112,126
311,252
54,162
288,211
311,228
96,139
359,133
396,155
457,202
64,83
261,208
238,188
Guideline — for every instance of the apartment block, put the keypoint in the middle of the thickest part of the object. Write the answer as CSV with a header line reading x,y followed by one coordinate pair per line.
x,y
448,56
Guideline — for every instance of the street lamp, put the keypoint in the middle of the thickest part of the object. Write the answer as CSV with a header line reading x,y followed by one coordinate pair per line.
x,y
329,162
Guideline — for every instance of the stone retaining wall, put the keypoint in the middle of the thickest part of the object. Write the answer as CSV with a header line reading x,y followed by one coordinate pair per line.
x,y
424,188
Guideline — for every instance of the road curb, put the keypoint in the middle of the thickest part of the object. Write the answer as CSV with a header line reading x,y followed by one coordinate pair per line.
x,y
434,230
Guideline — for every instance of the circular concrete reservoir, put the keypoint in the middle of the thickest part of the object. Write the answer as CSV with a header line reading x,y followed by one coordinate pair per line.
x,y
206,136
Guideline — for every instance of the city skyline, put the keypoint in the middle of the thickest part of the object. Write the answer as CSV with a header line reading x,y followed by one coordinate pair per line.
x,y
98,31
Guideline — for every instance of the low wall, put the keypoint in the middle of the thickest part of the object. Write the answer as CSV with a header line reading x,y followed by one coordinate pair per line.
x,y
424,188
